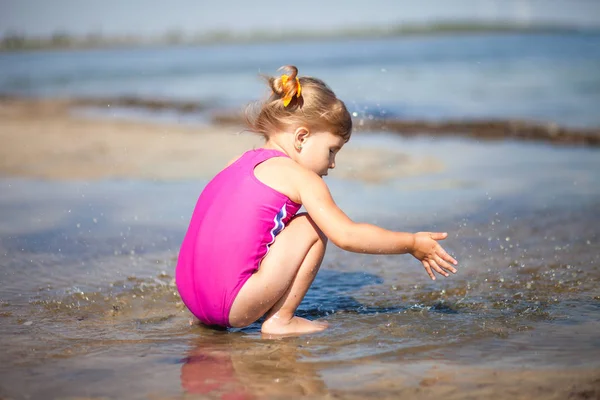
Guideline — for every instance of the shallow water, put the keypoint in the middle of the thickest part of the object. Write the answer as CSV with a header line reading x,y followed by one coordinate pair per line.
x,y
88,307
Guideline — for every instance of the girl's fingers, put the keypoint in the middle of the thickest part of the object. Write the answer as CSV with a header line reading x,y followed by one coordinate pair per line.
x,y
445,256
437,268
442,263
428,269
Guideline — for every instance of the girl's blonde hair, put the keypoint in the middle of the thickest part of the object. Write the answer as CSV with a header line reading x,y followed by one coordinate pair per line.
x,y
297,101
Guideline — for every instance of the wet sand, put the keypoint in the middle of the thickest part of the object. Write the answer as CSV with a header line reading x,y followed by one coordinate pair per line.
x,y
93,211
48,139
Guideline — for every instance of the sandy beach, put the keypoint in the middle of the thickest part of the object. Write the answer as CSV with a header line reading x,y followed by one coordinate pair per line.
x,y
47,139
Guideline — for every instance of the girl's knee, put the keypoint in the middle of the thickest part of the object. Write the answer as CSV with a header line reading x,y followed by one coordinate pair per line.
x,y
311,227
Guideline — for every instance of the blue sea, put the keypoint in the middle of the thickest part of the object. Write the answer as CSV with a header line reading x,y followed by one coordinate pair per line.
x,y
541,77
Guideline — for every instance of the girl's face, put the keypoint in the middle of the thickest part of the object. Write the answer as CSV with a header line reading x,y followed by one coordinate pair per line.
x,y
319,150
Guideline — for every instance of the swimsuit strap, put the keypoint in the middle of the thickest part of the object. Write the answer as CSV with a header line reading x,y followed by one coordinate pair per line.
x,y
261,155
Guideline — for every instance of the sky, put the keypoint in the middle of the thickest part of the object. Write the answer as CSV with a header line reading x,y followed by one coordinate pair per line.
x,y
155,17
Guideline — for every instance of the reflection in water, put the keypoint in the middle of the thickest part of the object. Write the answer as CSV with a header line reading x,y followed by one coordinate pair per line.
x,y
210,371
220,365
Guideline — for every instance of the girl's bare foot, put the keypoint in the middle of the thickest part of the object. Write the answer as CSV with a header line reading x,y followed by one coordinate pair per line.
x,y
294,326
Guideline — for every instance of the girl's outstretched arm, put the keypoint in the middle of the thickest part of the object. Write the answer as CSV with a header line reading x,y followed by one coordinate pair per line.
x,y
367,238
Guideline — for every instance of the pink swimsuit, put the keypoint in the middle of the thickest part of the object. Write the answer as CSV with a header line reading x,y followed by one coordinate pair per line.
x,y
235,221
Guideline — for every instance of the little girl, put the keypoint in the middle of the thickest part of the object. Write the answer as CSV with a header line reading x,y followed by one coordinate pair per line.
x,y
246,253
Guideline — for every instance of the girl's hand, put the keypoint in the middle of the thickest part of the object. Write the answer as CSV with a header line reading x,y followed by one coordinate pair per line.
x,y
433,257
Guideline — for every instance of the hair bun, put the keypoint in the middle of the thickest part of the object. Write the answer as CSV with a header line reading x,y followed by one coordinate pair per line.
x,y
287,86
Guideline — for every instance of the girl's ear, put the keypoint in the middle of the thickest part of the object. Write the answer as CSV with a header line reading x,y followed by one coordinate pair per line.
x,y
300,135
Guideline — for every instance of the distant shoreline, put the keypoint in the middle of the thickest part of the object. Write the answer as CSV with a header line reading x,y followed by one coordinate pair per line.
x,y
488,129
14,41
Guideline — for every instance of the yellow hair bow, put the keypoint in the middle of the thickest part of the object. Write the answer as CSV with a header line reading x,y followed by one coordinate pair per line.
x,y
288,98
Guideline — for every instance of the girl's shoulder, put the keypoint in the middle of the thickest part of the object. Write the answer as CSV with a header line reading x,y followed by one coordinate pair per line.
x,y
281,174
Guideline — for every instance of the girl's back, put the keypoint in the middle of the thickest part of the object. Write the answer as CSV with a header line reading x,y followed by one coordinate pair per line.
x,y
235,220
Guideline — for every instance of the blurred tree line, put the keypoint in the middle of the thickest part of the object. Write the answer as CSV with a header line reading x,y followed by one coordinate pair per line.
x,y
16,41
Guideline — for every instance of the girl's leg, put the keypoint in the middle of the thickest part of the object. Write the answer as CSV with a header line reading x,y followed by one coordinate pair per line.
x,y
282,280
